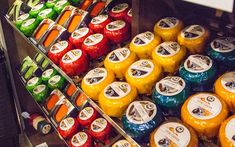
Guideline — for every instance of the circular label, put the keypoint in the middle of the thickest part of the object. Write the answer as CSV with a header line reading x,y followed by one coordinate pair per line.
x,y
167,49
80,33
28,22
228,81
37,7
79,139
143,38
129,13
47,73
172,134
39,89
93,39
99,19
46,129
99,125
33,81
59,46
204,106
23,17
86,113
119,55
60,3
168,23
140,112
120,8
141,68
223,45
72,56
229,130
116,25
170,86
117,90
122,143
95,76
67,123
192,32
197,63
54,80
45,12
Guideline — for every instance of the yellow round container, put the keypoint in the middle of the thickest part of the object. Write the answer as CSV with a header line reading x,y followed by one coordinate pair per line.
x,y
204,112
116,97
119,60
143,74
225,88
168,28
169,55
143,44
227,133
194,38
95,81
173,134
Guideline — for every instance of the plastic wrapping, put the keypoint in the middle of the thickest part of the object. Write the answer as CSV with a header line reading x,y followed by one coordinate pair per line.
x,y
117,31
199,71
37,9
86,116
97,8
204,112
96,46
74,62
143,74
119,11
78,36
95,81
225,88
58,50
56,82
144,43
168,28
59,6
99,22
28,26
173,133
140,119
170,93
40,92
169,55
47,74
116,97
194,38
51,3
119,60
81,139
68,127
226,132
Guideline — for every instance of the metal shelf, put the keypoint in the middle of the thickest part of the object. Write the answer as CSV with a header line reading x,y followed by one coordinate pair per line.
x,y
91,102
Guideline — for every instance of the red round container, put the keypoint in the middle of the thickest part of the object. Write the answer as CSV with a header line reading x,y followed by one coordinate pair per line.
x,y
81,139
68,127
78,36
100,129
74,62
117,31
99,22
86,116
119,11
96,45
58,50
128,16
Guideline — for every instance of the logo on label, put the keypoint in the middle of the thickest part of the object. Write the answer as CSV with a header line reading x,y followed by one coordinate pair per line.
x,y
172,134
60,3
39,89
119,55
171,85
95,76
59,46
79,139
117,90
115,25
37,7
167,49
47,73
33,81
99,125
23,17
197,63
93,39
204,106
223,45
72,56
140,112
228,81
28,22
141,68
168,22
143,39
67,123
129,13
229,130
193,32
99,19
86,113
54,80
122,143
120,8
80,33
45,12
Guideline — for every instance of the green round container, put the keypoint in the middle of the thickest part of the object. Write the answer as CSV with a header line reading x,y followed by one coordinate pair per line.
x,y
29,26
56,82
47,13
40,92
51,3
47,74
37,9
59,6
32,83
20,19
